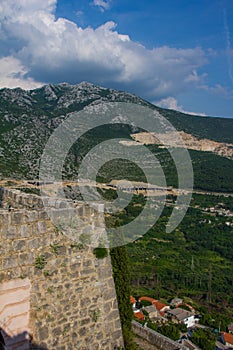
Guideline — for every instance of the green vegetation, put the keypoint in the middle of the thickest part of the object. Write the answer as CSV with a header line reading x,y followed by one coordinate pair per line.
x,y
121,276
29,190
204,338
100,253
217,129
77,245
46,273
18,120
96,315
170,330
50,290
40,262
194,262
211,172
55,246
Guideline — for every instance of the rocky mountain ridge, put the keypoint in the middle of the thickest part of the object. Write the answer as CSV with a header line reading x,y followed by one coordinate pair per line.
x,y
28,118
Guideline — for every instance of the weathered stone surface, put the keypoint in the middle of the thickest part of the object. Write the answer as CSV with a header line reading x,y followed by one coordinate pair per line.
x,y
24,230
72,296
10,233
155,338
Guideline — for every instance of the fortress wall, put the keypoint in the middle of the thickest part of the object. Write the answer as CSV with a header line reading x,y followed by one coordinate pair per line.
x,y
72,303
155,338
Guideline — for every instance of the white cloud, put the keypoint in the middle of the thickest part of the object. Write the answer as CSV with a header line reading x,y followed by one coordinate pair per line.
x,y
103,4
13,74
172,103
219,90
55,50
229,50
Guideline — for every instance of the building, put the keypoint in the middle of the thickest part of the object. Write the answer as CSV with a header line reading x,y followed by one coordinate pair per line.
x,y
132,301
152,312
138,314
179,315
160,307
227,339
176,302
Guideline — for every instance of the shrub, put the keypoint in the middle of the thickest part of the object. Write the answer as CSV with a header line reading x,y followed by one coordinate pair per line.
x,y
40,262
100,253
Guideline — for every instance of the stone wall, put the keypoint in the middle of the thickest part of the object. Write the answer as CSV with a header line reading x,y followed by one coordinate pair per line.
x,y
72,294
155,338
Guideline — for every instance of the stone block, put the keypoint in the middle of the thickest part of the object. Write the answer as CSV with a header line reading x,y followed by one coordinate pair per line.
x,y
31,216
24,231
109,294
82,331
34,243
10,262
10,233
56,332
41,227
43,215
19,245
43,333
16,218
4,218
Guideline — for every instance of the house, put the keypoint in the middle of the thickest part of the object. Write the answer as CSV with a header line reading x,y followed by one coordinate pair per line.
x,y
138,314
176,302
152,312
150,300
227,339
230,328
179,315
160,307
132,301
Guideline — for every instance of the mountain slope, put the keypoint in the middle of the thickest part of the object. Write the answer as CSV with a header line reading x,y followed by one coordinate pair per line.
x,y
27,119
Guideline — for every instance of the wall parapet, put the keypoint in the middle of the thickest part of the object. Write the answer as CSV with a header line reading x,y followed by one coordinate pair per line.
x,y
72,295
155,338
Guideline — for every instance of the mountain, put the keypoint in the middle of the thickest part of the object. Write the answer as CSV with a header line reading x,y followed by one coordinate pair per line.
x,y
27,119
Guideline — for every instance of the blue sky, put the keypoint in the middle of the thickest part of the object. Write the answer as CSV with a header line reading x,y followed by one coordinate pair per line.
x,y
177,54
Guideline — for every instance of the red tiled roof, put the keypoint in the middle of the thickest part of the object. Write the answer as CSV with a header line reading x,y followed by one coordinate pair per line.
x,y
139,315
132,300
151,300
228,337
159,306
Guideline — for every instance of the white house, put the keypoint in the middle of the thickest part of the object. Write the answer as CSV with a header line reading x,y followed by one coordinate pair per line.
x,y
179,315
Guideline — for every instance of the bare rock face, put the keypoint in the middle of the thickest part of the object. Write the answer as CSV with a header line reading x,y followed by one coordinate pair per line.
x,y
186,140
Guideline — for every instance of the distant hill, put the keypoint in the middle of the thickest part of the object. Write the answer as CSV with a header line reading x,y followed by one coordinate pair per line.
x,y
27,119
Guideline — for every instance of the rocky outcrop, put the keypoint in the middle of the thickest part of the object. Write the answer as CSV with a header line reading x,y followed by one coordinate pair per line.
x,y
186,140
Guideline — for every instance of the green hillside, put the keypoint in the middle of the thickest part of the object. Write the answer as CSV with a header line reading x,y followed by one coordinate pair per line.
x,y
28,118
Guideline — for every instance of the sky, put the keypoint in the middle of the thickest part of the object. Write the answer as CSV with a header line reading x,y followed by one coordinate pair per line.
x,y
177,54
